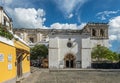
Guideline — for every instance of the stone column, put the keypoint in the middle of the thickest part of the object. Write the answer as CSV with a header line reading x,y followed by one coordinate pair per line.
x,y
25,36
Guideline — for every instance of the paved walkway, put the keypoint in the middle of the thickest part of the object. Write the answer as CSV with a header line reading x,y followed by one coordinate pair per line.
x,y
35,72
70,76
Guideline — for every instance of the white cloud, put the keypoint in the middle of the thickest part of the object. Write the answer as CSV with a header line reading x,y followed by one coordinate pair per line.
x,y
114,28
63,26
27,18
8,1
67,6
113,37
70,15
67,26
24,14
5,2
105,14
115,22
81,26
19,3
110,45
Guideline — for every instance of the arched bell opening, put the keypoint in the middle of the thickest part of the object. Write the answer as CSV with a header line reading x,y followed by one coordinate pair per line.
x,y
101,32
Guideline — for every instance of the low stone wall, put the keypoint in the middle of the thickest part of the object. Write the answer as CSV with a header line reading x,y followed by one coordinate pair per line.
x,y
84,70
106,65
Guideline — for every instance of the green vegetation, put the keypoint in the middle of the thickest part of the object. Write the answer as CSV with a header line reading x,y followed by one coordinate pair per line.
x,y
5,33
39,51
102,53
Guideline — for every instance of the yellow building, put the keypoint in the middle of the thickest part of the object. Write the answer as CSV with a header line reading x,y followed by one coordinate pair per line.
x,y
14,52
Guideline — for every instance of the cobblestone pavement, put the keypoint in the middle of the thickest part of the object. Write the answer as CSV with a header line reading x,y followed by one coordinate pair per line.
x,y
44,76
35,72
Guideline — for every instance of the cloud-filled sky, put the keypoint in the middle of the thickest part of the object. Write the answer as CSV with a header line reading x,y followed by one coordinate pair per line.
x,y
66,14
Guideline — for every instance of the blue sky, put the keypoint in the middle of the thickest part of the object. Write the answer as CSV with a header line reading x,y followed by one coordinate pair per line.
x,y
64,14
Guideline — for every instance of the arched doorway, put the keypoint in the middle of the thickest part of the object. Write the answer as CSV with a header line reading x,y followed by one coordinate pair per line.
x,y
69,61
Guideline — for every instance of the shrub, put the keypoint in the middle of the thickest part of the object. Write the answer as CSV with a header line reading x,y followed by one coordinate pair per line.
x,y
5,33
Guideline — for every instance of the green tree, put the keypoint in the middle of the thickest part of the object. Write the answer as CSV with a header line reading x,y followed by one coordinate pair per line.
x,y
98,52
116,56
111,56
103,53
38,51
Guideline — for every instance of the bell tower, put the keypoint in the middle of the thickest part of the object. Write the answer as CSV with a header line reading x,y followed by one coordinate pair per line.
x,y
98,30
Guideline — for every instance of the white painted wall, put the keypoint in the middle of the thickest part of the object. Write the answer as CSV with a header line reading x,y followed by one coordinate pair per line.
x,y
86,52
82,47
87,45
58,47
6,41
86,58
53,53
103,42
1,15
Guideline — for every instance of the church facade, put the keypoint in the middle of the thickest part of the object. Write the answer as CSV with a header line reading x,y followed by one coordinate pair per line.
x,y
72,48
68,48
33,36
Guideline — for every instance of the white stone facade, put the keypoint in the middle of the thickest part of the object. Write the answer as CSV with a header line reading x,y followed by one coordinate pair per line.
x,y
79,54
33,36
58,49
5,20
62,56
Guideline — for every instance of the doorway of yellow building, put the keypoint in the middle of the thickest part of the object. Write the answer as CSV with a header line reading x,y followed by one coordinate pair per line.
x,y
19,63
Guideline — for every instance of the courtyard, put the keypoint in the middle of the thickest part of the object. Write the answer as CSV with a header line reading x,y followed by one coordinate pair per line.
x,y
73,76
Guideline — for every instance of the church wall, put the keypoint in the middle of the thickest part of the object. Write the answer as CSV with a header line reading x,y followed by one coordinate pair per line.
x,y
75,50
86,58
86,53
87,45
39,37
53,53
59,45
25,36
103,42
53,58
